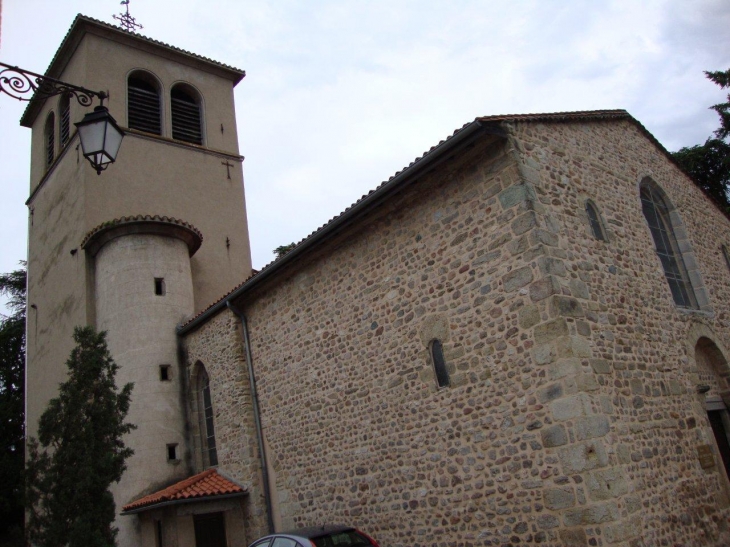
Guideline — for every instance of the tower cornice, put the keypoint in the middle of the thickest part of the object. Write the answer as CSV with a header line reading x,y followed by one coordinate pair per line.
x,y
83,25
142,224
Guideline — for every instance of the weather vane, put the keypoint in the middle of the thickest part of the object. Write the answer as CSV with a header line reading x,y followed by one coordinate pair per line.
x,y
126,21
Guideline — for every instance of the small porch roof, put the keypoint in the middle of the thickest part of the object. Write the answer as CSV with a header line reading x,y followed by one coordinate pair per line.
x,y
206,486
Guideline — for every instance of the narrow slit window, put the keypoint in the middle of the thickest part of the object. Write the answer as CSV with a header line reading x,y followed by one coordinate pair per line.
x,y
165,373
64,125
439,363
726,254
595,222
143,105
172,452
158,533
185,111
160,286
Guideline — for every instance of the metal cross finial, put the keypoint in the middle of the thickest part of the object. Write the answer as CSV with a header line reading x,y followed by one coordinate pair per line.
x,y
126,21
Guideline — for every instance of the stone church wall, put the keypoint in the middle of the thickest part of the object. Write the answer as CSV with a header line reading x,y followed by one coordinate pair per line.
x,y
572,416
640,346
217,346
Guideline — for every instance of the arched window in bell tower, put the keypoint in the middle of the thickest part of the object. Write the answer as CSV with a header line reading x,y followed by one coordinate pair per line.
x,y
186,114
49,138
144,110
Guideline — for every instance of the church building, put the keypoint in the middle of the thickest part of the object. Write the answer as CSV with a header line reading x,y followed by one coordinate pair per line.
x,y
520,338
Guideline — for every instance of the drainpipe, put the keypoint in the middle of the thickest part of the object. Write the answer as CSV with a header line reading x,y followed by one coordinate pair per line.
x,y
256,416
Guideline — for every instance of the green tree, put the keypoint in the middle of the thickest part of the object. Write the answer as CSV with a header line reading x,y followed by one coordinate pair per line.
x,y
722,78
12,389
709,163
81,451
283,249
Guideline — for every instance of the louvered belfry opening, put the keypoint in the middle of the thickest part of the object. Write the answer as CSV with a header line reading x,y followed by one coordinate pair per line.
x,y
65,125
143,106
185,116
50,138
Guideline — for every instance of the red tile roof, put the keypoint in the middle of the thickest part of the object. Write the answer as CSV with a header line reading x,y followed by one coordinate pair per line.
x,y
207,484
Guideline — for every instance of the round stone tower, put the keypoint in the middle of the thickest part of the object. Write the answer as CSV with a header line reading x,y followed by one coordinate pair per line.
x,y
144,288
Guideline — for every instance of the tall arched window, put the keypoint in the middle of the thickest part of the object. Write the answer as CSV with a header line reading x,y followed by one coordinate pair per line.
x,y
64,126
205,418
595,221
185,111
50,138
657,213
143,103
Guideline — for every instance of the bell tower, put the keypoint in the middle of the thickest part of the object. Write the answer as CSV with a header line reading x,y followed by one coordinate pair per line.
x,y
144,246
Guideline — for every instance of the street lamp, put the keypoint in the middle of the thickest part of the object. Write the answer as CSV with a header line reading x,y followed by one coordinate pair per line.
x,y
100,135
100,138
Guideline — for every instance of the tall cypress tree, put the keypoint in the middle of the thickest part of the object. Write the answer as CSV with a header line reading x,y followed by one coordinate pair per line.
x,y
81,451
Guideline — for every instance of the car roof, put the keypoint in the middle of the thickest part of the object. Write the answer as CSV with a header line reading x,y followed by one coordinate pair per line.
x,y
311,532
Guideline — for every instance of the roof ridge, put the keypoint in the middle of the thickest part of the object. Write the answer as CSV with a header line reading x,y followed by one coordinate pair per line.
x,y
550,116
576,115
82,17
555,116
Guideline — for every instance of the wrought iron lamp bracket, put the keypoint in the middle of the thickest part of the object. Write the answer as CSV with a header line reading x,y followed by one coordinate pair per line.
x,y
25,85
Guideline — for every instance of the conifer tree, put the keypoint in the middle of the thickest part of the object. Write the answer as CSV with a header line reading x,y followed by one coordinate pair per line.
x,y
281,250
709,163
12,389
81,451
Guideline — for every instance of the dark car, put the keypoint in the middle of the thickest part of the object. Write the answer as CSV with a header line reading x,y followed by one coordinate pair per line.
x,y
318,536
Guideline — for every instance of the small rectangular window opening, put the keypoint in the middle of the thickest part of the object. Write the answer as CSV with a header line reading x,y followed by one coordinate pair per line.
x,y
158,533
172,452
165,373
160,286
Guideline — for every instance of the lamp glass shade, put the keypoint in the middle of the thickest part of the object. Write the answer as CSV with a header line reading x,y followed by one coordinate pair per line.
x,y
100,137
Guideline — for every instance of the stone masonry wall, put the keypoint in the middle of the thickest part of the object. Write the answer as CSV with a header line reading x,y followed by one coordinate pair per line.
x,y
629,389
217,345
571,418
358,430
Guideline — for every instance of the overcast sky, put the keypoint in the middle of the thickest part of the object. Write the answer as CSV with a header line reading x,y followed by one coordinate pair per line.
x,y
339,95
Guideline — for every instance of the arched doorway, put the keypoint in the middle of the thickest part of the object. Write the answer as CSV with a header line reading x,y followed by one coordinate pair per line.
x,y
712,371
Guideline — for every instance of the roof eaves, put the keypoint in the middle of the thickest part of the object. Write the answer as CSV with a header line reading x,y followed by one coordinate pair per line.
x,y
461,136
198,499
483,123
197,487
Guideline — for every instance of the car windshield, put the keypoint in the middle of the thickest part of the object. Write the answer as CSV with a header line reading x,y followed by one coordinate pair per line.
x,y
342,539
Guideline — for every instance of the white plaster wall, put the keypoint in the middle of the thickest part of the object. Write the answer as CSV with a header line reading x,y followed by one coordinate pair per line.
x,y
141,337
